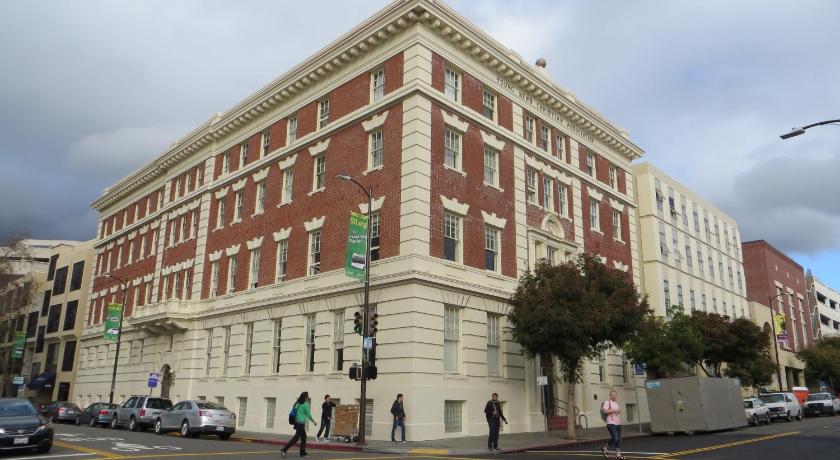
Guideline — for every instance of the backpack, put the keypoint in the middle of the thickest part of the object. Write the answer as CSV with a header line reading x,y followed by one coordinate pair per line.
x,y
293,415
603,413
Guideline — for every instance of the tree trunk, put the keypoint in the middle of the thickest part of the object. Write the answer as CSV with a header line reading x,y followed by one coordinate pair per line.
x,y
570,411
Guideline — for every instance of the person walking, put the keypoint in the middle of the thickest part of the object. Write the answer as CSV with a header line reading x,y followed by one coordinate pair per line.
x,y
493,412
611,412
326,416
398,411
301,414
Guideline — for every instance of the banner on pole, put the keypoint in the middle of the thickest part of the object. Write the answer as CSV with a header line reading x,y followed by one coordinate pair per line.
x,y
781,327
20,342
356,259
112,322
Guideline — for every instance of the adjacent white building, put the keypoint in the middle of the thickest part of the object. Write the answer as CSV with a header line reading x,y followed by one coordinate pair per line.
x,y
828,308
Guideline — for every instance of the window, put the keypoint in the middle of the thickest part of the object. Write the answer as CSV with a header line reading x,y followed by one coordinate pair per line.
x,y
613,174
563,199
243,154
338,341
688,258
45,305
142,252
70,315
529,128
451,84
666,293
270,412
208,352
60,281
220,213
288,185
714,304
531,186
226,350
548,192
265,142
176,291
225,165
176,194
559,145
696,218
590,164
254,272
711,268
377,79
703,301
282,259
237,210
452,149
491,167
700,260
488,103
493,342
602,368
69,356
310,343
292,130
731,277
616,224
376,152
691,299
149,292
231,279
491,249
214,279
545,136
375,231
54,317
323,112
680,302
320,173
195,224
249,346
275,346
551,255
452,415
259,205
165,282
451,237
594,221
243,411
450,339
51,269
76,277
315,252
185,234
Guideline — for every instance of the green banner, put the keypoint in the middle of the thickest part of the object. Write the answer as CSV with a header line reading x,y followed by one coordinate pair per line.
x,y
112,321
355,262
20,342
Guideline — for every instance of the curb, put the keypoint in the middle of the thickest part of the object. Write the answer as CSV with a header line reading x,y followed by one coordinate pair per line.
x,y
570,443
309,445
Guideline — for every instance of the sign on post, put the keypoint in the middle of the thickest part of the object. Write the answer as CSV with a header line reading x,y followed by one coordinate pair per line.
x,y
356,259
112,322
18,380
542,380
154,377
781,327
20,342
640,368
367,343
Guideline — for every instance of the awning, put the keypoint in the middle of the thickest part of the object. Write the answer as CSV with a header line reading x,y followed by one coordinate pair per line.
x,y
45,380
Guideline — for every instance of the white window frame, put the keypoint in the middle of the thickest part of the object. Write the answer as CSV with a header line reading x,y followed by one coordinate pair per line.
x,y
452,148
453,416
616,221
313,266
249,348
559,145
276,346
594,215
231,274
613,177
545,138
319,172
265,142
375,234
531,186
282,259
254,268
591,164
452,84
453,228
377,85
291,130
492,243
323,113
226,350
243,154
376,155
491,167
220,212
548,193
214,279
489,105
239,206
288,185
259,201
452,340
338,341
494,345
529,129
310,326
563,198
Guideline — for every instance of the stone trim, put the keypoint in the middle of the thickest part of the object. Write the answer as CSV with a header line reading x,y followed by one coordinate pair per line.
x,y
239,185
287,162
260,175
492,141
319,148
617,205
595,194
143,229
255,243
214,256
221,193
314,224
558,175
493,220
376,205
375,122
283,234
120,241
454,122
233,250
148,278
454,206
619,265
132,235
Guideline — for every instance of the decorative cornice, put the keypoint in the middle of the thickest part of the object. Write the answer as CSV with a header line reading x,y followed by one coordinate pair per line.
x,y
314,224
233,250
254,243
221,193
239,185
492,141
452,204
375,122
454,122
493,220
287,162
260,175
283,234
595,194
214,256
320,147
375,204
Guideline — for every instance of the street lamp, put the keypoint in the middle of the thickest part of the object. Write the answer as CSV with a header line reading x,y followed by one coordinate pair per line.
x,y
119,334
775,338
797,131
365,331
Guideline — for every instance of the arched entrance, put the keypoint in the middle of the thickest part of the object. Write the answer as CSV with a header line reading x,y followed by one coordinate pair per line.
x,y
165,381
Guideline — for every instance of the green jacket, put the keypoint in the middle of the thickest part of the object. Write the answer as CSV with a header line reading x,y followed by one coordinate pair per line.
x,y
303,413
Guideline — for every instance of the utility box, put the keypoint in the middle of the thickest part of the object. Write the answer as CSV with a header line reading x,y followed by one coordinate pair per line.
x,y
690,404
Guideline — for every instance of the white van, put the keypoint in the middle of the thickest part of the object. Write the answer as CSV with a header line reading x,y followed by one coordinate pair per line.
x,y
782,405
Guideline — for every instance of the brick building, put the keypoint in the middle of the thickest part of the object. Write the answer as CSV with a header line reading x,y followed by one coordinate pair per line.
x,y
233,240
776,284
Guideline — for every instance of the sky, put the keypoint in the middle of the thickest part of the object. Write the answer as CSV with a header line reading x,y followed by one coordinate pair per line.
x,y
90,91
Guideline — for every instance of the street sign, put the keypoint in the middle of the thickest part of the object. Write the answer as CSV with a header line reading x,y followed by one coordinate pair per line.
x,y
18,380
153,379
112,322
542,380
356,258
367,343
653,384
640,368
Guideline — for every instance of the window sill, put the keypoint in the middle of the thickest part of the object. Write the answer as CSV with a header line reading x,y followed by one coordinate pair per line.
x,y
595,230
619,241
257,213
217,228
234,222
377,168
496,187
284,203
457,377
461,172
316,191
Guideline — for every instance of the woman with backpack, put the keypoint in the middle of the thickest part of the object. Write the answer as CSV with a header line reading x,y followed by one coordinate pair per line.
x,y
297,417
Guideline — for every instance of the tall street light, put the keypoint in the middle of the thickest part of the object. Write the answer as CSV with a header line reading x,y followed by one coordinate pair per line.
x,y
365,330
801,130
775,337
119,334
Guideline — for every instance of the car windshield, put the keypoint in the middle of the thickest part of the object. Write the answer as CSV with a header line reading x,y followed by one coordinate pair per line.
x,y
16,408
748,404
774,398
158,403
818,397
210,405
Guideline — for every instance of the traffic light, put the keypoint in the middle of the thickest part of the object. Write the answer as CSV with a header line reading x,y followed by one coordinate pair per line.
x,y
373,322
357,323
371,373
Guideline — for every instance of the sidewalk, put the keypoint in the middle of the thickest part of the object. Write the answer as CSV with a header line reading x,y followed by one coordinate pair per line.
x,y
469,445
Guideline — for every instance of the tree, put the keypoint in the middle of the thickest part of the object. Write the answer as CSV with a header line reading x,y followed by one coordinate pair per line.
x,y
11,252
666,347
822,360
573,312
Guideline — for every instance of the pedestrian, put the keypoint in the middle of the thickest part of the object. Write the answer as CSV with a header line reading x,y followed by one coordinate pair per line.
x,y
611,412
398,411
493,412
326,416
300,413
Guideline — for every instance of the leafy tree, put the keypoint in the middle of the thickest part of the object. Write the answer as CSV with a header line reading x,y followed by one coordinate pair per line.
x,y
822,360
718,341
666,347
573,312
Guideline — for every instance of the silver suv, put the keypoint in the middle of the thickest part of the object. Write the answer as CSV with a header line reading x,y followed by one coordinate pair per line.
x,y
139,412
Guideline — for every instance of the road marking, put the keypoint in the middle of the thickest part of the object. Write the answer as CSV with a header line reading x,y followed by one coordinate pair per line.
x,y
420,450
87,450
591,452
200,454
727,445
52,456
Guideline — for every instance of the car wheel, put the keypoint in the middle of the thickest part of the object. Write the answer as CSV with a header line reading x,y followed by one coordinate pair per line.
x,y
769,419
158,427
224,436
114,422
132,424
43,449
754,420
799,416
185,429
789,418
78,420
92,422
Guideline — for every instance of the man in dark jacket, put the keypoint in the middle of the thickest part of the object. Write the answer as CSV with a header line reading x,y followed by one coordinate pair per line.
x,y
326,416
493,412
398,411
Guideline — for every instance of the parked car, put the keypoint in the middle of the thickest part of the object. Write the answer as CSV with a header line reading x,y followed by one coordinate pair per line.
x,y
23,428
195,417
97,414
756,411
139,412
60,411
821,403
782,405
